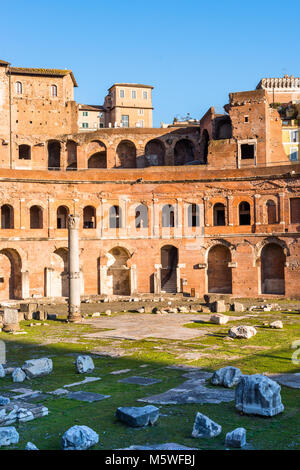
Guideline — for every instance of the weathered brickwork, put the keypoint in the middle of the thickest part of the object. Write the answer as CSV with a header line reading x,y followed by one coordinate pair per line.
x,y
210,209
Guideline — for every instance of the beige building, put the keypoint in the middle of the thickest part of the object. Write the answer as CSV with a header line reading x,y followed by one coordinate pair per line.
x,y
129,105
90,117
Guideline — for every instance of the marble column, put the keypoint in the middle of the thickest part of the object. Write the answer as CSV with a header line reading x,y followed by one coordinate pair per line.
x,y
73,269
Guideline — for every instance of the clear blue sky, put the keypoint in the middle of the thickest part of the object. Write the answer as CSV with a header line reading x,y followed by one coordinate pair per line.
x,y
193,52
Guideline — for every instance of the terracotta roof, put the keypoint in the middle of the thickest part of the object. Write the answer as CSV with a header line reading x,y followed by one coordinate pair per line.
x,y
91,107
2,62
137,85
46,72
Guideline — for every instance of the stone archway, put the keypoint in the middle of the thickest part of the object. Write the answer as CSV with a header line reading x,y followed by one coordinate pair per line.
x,y
183,152
10,274
118,272
59,274
97,154
154,153
126,153
272,269
219,274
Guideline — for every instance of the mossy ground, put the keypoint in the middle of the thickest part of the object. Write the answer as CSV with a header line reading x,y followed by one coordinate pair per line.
x,y
269,351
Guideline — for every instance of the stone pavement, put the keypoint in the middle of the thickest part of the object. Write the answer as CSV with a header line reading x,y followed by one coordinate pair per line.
x,y
139,326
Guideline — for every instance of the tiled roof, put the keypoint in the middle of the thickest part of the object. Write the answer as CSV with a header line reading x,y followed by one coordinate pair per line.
x,y
46,72
137,85
91,107
2,62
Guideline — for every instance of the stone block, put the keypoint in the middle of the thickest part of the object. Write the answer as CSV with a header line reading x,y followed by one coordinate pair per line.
x,y
219,319
37,367
242,332
218,306
259,395
10,320
227,377
138,416
8,436
79,438
84,364
236,438
205,427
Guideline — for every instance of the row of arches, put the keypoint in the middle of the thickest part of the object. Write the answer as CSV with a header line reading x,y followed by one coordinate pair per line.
x,y
118,271
126,154
141,215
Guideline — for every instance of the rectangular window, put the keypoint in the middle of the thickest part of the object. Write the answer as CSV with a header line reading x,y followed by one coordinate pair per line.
x,y
141,112
133,94
85,113
145,95
295,210
247,151
122,93
294,136
101,125
293,154
140,123
125,121
85,125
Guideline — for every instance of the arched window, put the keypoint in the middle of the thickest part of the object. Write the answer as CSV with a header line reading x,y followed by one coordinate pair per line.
x,y
62,216
244,213
271,212
19,88
168,216
193,215
53,90
141,216
36,217
7,216
115,217
89,217
24,152
219,214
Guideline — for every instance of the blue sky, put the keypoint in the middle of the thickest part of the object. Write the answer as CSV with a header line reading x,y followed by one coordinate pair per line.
x,y
193,52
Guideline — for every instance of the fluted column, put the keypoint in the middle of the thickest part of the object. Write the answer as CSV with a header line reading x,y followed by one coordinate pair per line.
x,y
73,269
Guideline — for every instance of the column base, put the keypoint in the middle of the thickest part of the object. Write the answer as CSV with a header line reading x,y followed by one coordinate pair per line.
x,y
74,314
75,318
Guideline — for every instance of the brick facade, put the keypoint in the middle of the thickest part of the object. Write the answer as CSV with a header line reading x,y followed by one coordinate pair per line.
x,y
149,221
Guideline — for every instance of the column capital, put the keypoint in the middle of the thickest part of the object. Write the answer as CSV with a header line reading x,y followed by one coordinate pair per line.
x,y
73,221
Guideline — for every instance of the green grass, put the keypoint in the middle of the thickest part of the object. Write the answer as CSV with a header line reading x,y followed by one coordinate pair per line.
x,y
269,351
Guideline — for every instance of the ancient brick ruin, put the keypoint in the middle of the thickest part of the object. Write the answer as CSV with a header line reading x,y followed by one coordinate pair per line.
x,y
209,209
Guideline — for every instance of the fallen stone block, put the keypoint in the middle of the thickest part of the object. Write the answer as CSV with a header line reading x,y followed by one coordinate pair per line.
x,y
243,332
138,416
219,319
236,438
218,306
166,446
84,364
28,310
8,436
238,307
37,367
259,395
4,400
205,427
79,438
10,320
2,371
227,377
276,324
31,446
18,375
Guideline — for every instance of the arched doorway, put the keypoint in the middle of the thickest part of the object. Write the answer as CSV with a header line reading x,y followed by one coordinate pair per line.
x,y
126,153
183,152
118,271
204,143
97,157
169,262
36,217
62,217
59,265
89,217
272,269
154,153
219,274
10,274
